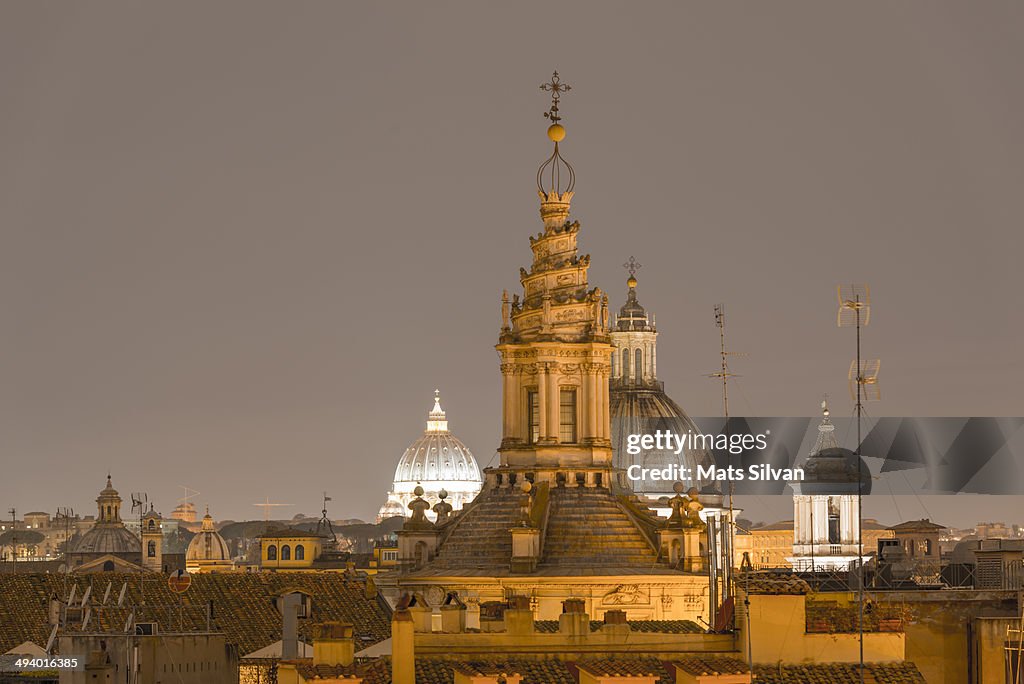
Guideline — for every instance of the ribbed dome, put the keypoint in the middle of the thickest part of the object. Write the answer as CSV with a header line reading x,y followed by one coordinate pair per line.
x,y
643,410
108,538
439,462
207,545
109,534
437,456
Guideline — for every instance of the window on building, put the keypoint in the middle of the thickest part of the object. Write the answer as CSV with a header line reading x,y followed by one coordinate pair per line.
x,y
625,364
833,521
272,552
533,416
286,552
300,552
151,549
639,365
567,416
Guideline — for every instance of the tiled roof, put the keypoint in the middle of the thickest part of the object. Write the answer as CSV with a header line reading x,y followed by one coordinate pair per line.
x,y
309,671
924,524
632,667
533,671
838,673
657,626
243,604
711,665
772,583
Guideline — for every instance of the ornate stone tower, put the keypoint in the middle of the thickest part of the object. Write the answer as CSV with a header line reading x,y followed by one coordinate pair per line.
x,y
554,343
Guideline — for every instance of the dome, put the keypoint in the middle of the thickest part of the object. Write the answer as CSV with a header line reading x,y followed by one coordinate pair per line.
x,y
835,471
437,461
644,410
207,545
114,539
437,456
831,469
109,534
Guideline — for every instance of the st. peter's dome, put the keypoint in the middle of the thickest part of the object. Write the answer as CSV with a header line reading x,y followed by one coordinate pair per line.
x,y
436,461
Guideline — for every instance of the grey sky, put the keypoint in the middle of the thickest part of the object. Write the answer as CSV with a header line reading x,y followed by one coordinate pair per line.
x,y
243,242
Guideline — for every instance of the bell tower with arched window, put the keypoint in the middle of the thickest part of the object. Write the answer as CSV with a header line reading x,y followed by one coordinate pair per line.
x,y
152,541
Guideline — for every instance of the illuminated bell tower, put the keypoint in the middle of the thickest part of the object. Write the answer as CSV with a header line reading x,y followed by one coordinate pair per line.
x,y
554,344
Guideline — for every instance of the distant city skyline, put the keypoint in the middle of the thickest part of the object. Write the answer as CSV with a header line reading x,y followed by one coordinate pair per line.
x,y
241,254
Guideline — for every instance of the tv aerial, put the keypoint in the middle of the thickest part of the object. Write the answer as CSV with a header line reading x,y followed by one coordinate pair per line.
x,y
855,312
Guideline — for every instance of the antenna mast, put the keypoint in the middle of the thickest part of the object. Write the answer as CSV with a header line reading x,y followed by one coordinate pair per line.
x,y
855,311
724,373
14,540
139,500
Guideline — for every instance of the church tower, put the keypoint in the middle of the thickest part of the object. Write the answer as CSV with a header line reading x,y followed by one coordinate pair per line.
x,y
152,541
554,343
826,510
639,405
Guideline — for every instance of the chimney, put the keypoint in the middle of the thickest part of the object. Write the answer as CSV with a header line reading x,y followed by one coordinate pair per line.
x,y
334,644
615,622
574,621
290,631
403,668
519,616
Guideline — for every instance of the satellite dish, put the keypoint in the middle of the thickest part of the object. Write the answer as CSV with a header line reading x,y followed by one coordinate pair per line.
x,y
120,597
49,642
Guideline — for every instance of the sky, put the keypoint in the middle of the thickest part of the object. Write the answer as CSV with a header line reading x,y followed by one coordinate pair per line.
x,y
241,243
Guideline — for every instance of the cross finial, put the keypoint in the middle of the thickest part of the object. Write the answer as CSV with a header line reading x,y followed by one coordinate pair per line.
x,y
632,266
556,88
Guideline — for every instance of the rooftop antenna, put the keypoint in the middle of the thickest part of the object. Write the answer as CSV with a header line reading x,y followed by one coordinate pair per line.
x,y
49,642
139,501
855,311
189,494
724,373
14,540
266,506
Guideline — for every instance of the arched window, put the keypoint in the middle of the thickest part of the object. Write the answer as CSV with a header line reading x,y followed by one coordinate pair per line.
x,y
152,524
300,552
286,552
151,549
271,552
638,367
625,364
108,566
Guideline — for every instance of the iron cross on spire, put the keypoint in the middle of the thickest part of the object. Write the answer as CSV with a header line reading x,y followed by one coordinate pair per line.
x,y
632,266
556,88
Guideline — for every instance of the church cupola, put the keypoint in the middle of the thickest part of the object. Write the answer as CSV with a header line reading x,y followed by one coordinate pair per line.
x,y
109,505
635,338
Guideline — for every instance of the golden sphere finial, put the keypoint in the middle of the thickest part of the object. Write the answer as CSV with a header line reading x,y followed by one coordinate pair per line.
x,y
556,132
631,282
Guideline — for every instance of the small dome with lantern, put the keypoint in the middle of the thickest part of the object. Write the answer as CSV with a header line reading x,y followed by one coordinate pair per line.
x,y
207,550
